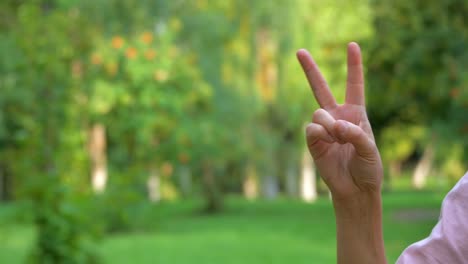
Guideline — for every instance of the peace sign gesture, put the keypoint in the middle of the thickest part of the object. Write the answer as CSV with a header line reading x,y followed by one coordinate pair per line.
x,y
340,137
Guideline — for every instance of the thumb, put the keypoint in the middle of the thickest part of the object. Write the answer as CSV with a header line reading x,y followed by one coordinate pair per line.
x,y
348,132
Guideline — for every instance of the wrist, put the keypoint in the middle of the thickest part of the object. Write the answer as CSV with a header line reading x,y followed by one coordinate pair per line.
x,y
359,205
359,228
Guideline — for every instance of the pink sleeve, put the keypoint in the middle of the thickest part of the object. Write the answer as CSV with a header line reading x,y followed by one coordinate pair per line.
x,y
448,242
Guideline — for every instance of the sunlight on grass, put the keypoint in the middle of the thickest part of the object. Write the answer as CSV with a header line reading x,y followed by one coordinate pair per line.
x,y
282,231
15,242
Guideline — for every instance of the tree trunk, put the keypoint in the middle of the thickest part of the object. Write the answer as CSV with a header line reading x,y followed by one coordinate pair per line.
x,y
395,168
387,180
292,178
2,185
185,180
97,149
6,192
154,185
288,165
308,179
269,170
270,186
250,183
423,167
211,189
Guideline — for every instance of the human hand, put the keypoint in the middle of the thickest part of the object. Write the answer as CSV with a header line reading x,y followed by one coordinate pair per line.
x,y
340,138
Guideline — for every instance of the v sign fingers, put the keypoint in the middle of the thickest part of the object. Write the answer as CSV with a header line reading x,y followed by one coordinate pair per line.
x,y
319,86
355,81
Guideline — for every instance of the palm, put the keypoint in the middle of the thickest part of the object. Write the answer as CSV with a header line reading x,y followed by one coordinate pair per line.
x,y
348,164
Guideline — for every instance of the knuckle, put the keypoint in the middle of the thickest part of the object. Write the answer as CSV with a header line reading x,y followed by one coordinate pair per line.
x,y
318,114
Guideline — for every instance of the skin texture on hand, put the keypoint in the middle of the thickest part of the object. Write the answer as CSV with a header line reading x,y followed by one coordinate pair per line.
x,y
340,138
341,141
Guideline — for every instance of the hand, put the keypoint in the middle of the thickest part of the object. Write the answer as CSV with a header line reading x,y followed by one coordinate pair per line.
x,y
340,138
341,142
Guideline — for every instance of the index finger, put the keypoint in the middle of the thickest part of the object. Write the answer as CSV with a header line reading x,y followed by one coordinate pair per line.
x,y
318,84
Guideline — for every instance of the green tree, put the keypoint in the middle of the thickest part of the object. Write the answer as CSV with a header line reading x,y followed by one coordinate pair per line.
x,y
417,77
41,69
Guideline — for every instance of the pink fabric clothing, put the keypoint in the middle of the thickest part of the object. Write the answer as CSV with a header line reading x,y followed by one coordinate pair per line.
x,y
448,242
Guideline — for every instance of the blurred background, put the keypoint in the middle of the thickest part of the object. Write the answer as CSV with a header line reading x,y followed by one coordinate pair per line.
x,y
157,131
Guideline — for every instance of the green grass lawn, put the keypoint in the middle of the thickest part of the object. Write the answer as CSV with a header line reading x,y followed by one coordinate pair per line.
x,y
281,231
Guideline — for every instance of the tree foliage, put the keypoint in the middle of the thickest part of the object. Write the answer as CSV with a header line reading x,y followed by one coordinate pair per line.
x,y
417,73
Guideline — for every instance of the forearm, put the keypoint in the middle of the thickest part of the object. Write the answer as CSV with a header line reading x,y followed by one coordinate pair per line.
x,y
359,229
